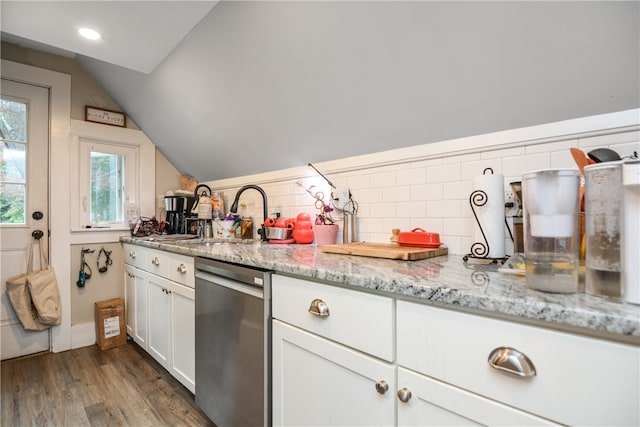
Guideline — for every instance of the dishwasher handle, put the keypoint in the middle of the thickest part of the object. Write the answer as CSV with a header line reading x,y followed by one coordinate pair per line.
x,y
204,278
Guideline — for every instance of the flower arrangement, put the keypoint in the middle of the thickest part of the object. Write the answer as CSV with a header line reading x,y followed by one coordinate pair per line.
x,y
324,217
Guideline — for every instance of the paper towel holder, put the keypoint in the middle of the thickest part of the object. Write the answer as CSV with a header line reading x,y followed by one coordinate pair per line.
x,y
481,250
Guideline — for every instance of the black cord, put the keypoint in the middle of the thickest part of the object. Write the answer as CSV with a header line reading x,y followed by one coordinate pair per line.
x,y
107,261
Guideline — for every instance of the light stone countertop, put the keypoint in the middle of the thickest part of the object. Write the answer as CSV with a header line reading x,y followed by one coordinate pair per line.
x,y
445,281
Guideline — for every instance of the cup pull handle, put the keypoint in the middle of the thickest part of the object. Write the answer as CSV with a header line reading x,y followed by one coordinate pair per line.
x,y
319,308
512,361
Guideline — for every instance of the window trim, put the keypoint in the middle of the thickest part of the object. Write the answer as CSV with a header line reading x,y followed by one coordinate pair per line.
x,y
143,193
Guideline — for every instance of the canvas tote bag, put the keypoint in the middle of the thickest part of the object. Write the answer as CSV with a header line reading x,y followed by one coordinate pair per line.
x,y
20,298
45,294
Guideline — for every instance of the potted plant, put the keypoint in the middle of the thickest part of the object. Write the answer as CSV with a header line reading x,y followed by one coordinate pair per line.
x,y
326,231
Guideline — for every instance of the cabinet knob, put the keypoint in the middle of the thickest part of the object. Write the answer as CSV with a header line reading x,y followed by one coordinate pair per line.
x,y
155,261
131,275
382,386
511,361
319,308
132,254
182,269
404,395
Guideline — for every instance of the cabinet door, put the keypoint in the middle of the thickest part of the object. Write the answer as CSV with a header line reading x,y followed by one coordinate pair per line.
x,y
136,304
159,313
183,335
130,298
318,382
434,403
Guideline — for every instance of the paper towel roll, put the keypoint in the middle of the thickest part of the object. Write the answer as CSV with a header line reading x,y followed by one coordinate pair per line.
x,y
490,214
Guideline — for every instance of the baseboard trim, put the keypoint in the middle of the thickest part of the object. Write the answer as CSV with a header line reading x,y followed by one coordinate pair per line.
x,y
83,335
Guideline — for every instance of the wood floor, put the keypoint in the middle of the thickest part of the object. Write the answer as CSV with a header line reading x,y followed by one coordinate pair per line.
x,y
122,386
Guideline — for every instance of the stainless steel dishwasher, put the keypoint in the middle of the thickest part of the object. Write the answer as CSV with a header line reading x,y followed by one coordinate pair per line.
x,y
233,343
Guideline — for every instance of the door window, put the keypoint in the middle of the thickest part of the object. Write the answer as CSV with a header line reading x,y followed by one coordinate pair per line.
x,y
13,161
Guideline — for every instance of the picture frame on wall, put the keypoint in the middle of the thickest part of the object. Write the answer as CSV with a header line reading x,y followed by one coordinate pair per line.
x,y
104,116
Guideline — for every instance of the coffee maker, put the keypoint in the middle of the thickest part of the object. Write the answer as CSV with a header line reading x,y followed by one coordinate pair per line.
x,y
178,209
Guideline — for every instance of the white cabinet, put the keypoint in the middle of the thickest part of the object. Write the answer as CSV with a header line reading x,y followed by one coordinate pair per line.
x,y
578,380
317,382
428,402
160,301
324,372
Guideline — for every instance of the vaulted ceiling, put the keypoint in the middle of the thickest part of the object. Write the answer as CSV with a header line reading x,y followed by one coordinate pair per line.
x,y
239,87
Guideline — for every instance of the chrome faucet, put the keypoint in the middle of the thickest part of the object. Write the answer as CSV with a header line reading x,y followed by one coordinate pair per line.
x,y
234,206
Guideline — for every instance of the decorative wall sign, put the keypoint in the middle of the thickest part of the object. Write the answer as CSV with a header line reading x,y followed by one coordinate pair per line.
x,y
108,117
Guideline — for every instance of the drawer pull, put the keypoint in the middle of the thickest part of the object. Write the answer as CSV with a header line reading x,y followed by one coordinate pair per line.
x,y
132,254
510,360
404,395
155,260
319,308
182,269
382,386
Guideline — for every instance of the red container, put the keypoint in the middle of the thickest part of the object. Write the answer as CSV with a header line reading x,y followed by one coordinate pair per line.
x,y
420,238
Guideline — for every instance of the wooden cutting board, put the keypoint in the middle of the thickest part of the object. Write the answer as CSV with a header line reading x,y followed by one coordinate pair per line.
x,y
385,250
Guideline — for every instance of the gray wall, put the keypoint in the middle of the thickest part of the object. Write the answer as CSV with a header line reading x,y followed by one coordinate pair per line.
x,y
261,86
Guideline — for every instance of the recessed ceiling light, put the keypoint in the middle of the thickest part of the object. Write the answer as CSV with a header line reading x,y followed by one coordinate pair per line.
x,y
88,33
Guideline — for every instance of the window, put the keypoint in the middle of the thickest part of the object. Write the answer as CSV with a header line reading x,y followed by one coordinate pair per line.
x,y
107,182
13,161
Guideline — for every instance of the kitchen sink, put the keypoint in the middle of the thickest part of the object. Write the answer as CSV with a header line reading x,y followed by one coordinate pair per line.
x,y
218,241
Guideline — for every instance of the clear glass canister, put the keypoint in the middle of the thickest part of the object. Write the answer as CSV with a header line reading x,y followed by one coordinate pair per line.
x,y
603,207
551,229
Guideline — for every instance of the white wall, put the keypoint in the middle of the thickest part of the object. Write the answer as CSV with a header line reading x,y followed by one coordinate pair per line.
x,y
428,186
264,85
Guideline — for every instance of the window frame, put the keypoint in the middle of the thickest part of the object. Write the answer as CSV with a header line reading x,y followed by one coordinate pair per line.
x,y
130,154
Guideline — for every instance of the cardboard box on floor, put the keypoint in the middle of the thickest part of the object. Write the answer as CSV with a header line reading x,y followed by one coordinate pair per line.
x,y
111,329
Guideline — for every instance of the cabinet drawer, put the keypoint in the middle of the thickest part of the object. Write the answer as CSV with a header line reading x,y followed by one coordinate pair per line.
x,y
578,381
434,403
181,269
134,255
357,319
157,262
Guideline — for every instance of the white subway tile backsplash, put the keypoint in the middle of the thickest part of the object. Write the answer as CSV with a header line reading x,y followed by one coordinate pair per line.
x,y
431,193
562,159
382,210
427,191
457,227
443,173
502,153
552,146
414,209
474,168
600,141
461,158
382,180
362,180
411,176
443,208
397,194
518,165
369,195
459,190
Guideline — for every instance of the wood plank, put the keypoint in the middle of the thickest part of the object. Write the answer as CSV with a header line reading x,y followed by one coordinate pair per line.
x,y
385,250
88,386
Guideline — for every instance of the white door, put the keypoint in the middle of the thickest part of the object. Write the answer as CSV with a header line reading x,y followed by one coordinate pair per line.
x,y
24,183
